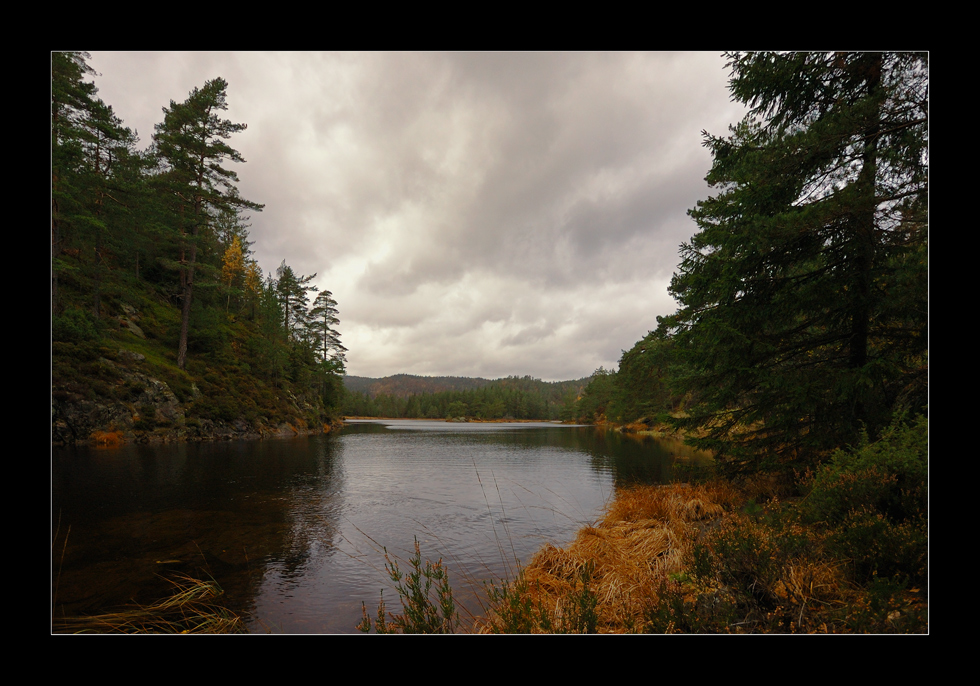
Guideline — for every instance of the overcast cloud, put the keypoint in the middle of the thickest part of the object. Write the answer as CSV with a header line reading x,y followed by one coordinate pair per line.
x,y
474,214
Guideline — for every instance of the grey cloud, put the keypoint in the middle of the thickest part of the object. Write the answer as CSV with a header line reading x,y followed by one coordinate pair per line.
x,y
473,213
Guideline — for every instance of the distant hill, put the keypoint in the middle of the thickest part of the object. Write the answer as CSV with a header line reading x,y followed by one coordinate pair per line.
x,y
404,385
512,397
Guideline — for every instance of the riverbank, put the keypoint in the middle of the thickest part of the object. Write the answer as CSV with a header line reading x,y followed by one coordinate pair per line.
x,y
607,578
764,555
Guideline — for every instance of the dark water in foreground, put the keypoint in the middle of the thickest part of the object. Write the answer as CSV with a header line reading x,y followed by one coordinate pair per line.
x,y
293,529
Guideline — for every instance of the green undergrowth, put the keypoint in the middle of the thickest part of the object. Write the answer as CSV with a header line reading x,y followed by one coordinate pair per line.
x,y
517,611
850,556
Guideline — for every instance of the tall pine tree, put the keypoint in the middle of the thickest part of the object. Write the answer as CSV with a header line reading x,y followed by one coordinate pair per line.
x,y
803,295
323,319
191,145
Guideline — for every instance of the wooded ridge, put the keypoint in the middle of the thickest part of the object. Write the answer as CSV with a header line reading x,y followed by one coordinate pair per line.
x,y
164,326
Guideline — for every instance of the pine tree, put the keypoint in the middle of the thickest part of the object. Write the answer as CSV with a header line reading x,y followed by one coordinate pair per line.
x,y
96,180
71,100
323,317
111,179
803,295
643,381
293,292
191,145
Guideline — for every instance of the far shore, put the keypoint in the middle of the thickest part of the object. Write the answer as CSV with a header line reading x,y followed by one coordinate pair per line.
x,y
470,421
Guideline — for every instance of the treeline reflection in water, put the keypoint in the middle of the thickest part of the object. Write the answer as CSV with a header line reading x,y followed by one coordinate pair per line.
x,y
294,530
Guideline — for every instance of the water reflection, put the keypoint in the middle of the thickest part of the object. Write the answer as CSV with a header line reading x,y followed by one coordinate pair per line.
x,y
294,530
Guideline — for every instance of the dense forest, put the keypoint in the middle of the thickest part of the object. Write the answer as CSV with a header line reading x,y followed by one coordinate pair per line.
x,y
803,297
404,395
163,324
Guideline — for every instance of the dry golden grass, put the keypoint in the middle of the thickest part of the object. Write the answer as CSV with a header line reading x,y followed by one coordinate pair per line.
x,y
626,557
675,503
192,609
805,581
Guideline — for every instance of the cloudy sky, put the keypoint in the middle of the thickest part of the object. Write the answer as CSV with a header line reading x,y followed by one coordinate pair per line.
x,y
474,214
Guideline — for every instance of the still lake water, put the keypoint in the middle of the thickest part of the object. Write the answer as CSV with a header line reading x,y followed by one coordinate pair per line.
x,y
294,529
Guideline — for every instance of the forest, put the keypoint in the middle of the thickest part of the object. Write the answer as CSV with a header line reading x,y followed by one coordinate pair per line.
x,y
513,397
797,355
153,278
803,297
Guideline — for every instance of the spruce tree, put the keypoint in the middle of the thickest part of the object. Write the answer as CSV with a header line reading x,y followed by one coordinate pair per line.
x,y
803,295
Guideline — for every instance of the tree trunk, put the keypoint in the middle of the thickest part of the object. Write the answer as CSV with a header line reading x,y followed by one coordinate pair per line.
x,y
187,278
185,317
866,240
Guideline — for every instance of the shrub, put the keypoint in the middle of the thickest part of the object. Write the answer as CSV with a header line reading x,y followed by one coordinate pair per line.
x,y
875,545
873,501
514,610
885,606
74,325
889,476
425,610
743,556
674,611
759,571
226,408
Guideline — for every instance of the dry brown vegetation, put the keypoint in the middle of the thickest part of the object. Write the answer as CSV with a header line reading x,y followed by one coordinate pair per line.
x,y
622,560
106,439
711,558
192,609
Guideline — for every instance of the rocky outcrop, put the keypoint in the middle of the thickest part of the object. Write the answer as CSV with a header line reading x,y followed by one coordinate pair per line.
x,y
149,404
150,413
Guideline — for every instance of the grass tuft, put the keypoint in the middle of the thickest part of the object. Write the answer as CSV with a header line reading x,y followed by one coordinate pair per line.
x,y
192,609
